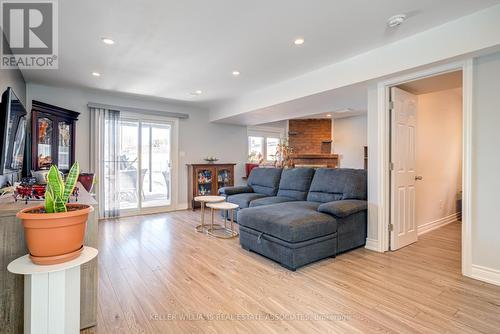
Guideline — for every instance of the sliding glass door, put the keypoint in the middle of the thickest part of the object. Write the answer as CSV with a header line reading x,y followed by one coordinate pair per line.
x,y
144,165
156,164
128,165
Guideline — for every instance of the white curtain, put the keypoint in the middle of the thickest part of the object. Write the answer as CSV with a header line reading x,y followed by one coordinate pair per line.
x,y
104,158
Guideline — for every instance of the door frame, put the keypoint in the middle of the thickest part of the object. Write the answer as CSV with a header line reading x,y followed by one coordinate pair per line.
x,y
383,142
174,186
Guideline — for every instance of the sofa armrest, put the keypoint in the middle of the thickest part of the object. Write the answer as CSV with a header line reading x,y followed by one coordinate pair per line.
x,y
228,191
343,208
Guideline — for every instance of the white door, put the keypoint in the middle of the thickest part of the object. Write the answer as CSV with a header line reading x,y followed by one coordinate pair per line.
x,y
403,230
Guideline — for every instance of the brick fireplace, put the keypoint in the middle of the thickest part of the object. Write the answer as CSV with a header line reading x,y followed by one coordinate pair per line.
x,y
311,140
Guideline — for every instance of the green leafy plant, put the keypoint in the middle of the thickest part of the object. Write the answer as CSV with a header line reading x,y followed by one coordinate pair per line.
x,y
57,191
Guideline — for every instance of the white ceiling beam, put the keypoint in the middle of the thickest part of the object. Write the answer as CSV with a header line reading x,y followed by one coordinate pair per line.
x,y
458,38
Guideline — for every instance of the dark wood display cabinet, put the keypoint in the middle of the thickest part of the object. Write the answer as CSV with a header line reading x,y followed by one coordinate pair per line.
x,y
207,179
52,136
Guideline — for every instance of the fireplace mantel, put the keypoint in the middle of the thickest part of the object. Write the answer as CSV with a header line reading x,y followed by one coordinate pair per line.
x,y
315,160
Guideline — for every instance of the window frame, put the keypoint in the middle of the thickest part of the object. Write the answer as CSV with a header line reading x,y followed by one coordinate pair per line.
x,y
265,133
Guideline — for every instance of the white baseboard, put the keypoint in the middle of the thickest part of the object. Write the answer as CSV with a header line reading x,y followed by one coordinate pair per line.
x,y
372,244
485,274
438,223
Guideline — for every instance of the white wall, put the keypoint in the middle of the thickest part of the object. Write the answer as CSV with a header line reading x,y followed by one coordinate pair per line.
x,y
197,136
439,160
486,164
349,138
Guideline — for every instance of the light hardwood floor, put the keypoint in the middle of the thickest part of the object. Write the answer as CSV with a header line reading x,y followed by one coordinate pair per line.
x,y
156,269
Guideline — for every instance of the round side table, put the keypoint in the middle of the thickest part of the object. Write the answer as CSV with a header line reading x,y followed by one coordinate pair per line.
x,y
206,199
224,233
52,293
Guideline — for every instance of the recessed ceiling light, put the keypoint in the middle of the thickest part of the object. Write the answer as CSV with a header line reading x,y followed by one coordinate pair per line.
x,y
96,74
107,40
196,93
328,115
396,20
299,41
236,73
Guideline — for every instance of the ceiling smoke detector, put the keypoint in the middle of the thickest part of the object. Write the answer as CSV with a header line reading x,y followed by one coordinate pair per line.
x,y
396,20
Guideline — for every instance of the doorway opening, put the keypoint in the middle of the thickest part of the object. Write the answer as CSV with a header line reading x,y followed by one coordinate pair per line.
x,y
426,156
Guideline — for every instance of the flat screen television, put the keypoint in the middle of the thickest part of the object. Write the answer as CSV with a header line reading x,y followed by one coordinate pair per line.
x,y
13,126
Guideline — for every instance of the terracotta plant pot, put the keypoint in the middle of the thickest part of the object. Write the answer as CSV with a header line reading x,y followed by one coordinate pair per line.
x,y
55,237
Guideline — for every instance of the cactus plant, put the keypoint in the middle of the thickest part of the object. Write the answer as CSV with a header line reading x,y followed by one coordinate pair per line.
x,y
57,192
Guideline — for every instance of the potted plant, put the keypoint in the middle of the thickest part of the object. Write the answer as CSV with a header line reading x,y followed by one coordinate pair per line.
x,y
55,232
283,154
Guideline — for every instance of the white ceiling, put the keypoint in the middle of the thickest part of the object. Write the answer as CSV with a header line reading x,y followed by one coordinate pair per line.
x,y
170,48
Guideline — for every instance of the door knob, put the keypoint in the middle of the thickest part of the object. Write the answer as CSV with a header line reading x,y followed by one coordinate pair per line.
x,y
418,178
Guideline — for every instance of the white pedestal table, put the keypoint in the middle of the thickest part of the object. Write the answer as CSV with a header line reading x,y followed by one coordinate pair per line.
x,y
52,294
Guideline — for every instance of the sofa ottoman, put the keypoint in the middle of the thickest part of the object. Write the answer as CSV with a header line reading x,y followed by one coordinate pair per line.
x,y
292,233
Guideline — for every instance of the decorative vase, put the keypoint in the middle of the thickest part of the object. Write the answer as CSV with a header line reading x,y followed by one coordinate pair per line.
x,y
55,237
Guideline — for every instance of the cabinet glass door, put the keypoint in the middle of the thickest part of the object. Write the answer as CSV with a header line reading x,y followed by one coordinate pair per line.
x,y
64,149
44,142
223,177
204,179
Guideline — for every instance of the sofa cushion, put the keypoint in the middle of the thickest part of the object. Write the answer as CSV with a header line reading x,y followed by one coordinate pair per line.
x,y
243,200
334,184
343,208
295,183
356,185
291,221
270,200
265,180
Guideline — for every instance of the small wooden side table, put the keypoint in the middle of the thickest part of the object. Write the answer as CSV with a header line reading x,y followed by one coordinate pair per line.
x,y
224,233
206,199
52,294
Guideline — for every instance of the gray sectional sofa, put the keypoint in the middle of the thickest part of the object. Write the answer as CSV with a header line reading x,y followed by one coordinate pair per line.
x,y
301,215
